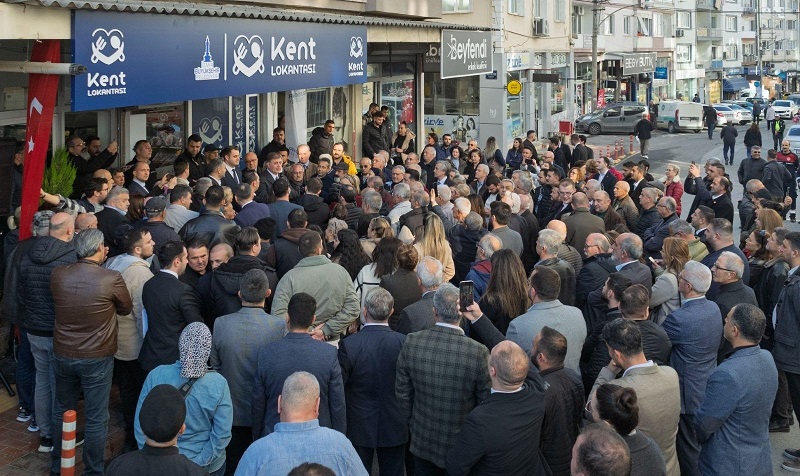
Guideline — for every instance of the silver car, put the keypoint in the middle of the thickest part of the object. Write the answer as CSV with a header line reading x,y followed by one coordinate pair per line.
x,y
793,136
731,115
747,115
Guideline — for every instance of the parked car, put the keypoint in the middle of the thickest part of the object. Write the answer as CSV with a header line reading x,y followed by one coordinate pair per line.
x,y
795,98
746,105
763,102
618,117
784,108
680,116
793,136
746,114
731,116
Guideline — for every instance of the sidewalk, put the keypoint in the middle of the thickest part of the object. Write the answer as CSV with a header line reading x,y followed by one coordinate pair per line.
x,y
18,455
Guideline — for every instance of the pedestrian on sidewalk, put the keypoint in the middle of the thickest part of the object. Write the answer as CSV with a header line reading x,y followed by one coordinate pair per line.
x,y
769,115
778,127
728,134
643,130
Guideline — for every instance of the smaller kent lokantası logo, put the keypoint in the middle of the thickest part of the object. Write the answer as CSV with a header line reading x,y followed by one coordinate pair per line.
x,y
207,71
356,47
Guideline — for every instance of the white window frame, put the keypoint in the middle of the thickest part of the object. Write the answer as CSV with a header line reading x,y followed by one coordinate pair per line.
x,y
458,6
540,8
560,10
684,20
516,7
658,25
683,53
627,25
731,23
608,25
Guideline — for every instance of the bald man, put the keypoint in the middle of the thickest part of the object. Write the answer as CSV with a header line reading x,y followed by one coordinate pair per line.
x,y
38,316
105,175
497,435
624,204
566,251
580,223
84,221
304,159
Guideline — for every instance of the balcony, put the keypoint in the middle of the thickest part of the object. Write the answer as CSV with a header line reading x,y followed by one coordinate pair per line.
x,y
749,59
709,34
706,5
747,35
748,10
714,65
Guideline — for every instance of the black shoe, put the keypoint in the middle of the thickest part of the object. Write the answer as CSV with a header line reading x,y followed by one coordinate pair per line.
x,y
775,427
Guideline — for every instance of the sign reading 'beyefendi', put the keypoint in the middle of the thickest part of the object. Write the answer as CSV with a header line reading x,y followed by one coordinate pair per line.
x,y
137,59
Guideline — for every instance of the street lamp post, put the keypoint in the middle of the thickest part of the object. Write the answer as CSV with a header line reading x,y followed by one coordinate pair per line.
x,y
595,27
760,53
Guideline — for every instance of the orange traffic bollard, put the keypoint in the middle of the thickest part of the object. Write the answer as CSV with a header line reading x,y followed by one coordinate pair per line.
x,y
631,143
68,443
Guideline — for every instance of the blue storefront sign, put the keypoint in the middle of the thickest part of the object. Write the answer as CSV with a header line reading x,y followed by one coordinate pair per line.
x,y
660,73
137,58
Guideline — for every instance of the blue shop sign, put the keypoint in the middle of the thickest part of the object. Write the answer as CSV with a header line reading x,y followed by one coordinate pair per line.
x,y
136,58
660,73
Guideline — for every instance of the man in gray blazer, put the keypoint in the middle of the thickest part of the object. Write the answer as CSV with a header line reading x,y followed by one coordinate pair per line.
x,y
547,310
236,340
657,388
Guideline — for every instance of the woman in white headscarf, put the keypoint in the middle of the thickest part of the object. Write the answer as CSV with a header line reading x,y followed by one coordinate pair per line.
x,y
209,411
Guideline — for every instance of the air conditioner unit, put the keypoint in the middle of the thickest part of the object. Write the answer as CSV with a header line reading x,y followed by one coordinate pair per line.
x,y
580,10
680,33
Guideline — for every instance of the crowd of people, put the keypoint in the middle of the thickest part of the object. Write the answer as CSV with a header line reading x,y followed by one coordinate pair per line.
x,y
278,317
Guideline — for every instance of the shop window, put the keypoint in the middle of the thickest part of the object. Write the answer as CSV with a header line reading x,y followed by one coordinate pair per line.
x,y
164,128
558,101
318,104
452,106
399,97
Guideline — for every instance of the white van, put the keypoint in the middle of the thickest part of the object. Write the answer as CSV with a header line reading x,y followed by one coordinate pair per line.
x,y
751,93
676,116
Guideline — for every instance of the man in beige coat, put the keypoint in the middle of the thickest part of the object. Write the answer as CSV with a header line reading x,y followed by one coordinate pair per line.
x,y
138,245
657,389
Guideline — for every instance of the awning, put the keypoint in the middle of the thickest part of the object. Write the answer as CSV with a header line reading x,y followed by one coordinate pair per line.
x,y
240,10
734,84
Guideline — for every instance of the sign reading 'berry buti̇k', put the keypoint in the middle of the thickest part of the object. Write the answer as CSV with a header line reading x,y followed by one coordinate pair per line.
x,y
138,58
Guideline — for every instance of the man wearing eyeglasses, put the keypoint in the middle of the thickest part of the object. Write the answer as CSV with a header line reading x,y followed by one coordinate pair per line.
x,y
86,167
727,272
719,238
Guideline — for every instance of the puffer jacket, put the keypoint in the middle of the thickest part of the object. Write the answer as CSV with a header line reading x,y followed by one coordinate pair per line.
x,y
36,268
224,297
11,306
320,143
88,299
212,227
135,272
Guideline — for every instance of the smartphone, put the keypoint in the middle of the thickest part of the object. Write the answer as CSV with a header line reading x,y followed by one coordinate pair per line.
x,y
693,163
466,289
652,260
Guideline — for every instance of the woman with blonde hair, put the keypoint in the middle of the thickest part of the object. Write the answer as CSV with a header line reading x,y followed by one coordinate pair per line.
x,y
227,203
492,152
577,175
353,182
379,228
767,220
433,242
664,296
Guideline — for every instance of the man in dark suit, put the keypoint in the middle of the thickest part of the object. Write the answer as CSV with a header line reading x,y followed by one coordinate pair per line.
x,y
700,220
170,305
654,236
719,238
296,352
233,175
637,182
250,211
713,191
369,362
419,316
501,435
441,376
695,330
273,170
139,184
112,216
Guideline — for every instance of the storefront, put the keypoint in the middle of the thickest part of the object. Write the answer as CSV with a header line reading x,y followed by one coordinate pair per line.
x,y
662,86
452,86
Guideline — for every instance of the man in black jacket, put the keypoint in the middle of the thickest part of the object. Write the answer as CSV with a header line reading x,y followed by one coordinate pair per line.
x,y
321,141
728,135
113,216
643,131
38,313
635,305
193,155
502,434
226,279
85,168
596,267
170,305
284,254
373,139
211,225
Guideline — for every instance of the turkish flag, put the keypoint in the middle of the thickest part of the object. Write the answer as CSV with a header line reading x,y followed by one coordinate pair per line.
x,y
42,93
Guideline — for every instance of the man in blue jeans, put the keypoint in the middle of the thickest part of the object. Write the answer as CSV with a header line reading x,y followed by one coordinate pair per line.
x,y
87,299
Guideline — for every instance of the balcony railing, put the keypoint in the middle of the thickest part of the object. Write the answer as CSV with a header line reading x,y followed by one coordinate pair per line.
x,y
706,5
704,33
749,59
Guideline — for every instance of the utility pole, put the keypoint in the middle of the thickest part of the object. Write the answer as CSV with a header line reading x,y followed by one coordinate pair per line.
x,y
595,27
759,52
